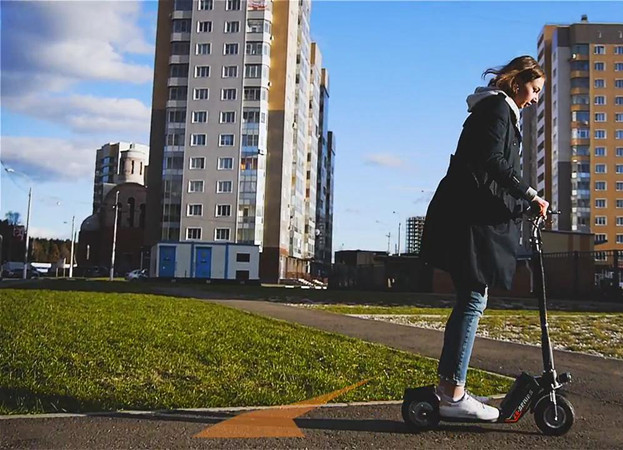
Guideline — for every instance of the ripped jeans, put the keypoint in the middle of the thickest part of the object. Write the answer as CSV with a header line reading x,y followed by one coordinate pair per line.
x,y
461,332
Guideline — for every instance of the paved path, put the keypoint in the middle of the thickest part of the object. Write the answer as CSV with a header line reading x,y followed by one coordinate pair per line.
x,y
596,393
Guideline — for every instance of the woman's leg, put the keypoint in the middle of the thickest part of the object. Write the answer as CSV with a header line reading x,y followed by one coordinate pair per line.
x,y
459,338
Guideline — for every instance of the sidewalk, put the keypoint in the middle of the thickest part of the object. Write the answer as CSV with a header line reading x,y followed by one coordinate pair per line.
x,y
596,393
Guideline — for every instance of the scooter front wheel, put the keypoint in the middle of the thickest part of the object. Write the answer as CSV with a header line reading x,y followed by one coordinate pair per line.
x,y
554,421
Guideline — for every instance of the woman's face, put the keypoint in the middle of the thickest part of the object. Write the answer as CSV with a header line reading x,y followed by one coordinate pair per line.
x,y
528,94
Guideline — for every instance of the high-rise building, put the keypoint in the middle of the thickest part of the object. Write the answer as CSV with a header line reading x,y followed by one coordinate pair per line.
x,y
118,163
577,158
235,129
413,238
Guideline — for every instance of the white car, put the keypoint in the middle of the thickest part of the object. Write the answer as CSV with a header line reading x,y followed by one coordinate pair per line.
x,y
137,274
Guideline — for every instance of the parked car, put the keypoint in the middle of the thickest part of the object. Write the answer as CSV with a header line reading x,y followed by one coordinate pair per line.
x,y
137,274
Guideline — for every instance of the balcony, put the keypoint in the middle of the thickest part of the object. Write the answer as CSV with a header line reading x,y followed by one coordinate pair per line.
x,y
179,59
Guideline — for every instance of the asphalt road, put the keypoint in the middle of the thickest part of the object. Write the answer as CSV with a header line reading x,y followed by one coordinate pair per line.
x,y
596,393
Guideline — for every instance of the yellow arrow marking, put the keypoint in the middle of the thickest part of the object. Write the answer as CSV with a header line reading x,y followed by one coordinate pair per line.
x,y
273,422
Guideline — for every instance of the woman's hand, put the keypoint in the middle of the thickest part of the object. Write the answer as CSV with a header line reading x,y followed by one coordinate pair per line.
x,y
542,205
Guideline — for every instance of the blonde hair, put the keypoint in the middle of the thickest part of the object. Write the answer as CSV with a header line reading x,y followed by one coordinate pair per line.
x,y
520,70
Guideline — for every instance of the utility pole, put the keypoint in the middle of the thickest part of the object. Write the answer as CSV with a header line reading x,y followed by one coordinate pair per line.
x,y
389,237
25,273
71,257
114,237
399,223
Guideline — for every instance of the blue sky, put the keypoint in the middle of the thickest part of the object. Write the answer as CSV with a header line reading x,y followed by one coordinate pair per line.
x,y
76,75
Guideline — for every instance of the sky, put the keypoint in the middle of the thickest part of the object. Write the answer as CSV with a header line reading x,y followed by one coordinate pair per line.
x,y
78,74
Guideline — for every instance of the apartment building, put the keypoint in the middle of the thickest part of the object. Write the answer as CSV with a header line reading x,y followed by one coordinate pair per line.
x,y
413,237
235,116
577,156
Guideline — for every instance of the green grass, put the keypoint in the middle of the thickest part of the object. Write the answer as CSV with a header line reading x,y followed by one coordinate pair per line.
x,y
85,351
597,333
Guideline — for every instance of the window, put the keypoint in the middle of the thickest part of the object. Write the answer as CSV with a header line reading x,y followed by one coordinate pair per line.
x,y
195,186
600,185
600,220
600,66
618,134
197,163
250,140
221,234
580,133
600,83
600,117
618,101
618,117
200,116
195,210
619,203
580,99
619,168
600,203
225,164
232,5
202,71
181,25
599,50
243,257
600,151
204,5
248,164
201,94
257,48
230,71
600,168
178,70
600,100
223,210
252,93
203,49
618,67
180,48
223,187
618,84
228,116
232,27
171,162
176,116
226,140
619,221
175,139
242,275
197,139
258,26
600,134
619,238
178,92
230,49
618,50
600,237
193,233
619,186
204,26
228,94
253,70
251,115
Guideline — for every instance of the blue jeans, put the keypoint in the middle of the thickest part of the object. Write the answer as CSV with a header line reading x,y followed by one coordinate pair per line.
x,y
460,333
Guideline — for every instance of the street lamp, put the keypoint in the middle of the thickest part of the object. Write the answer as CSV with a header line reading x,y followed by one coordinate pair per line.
x,y
71,257
114,237
399,224
25,271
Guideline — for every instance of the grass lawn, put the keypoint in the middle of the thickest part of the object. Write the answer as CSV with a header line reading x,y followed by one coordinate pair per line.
x,y
86,351
589,332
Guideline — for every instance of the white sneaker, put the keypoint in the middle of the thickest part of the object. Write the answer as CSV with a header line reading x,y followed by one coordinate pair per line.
x,y
467,408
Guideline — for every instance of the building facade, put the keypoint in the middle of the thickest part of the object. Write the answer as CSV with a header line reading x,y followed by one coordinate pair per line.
x,y
118,163
235,129
413,238
578,162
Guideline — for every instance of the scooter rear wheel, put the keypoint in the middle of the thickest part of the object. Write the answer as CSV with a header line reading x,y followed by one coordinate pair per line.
x,y
420,413
554,421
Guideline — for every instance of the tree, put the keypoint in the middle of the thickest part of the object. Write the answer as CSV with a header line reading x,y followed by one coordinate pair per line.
x,y
13,217
54,254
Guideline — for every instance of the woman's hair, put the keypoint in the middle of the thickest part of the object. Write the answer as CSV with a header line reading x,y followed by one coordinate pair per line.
x,y
520,70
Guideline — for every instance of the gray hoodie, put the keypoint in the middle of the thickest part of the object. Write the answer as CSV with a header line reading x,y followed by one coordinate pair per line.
x,y
486,91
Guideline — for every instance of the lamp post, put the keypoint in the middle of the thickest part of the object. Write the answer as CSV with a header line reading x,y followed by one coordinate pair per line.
x,y
71,257
398,241
25,270
114,237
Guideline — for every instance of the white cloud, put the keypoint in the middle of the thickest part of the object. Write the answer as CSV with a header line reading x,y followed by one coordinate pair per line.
x,y
89,114
384,160
49,158
69,41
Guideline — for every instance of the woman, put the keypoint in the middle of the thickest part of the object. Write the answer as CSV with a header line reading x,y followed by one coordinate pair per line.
x,y
471,228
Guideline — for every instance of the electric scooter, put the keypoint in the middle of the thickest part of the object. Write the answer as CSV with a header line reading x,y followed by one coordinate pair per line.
x,y
541,395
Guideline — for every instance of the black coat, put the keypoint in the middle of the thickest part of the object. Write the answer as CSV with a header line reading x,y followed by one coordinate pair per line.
x,y
471,228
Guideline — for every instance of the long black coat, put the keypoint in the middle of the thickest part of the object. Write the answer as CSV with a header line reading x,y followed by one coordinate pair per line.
x,y
471,228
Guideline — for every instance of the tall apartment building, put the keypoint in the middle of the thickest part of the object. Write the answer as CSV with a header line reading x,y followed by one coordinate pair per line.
x,y
235,128
413,238
118,163
577,159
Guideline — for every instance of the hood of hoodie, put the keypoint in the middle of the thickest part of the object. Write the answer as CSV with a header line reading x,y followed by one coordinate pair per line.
x,y
486,91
